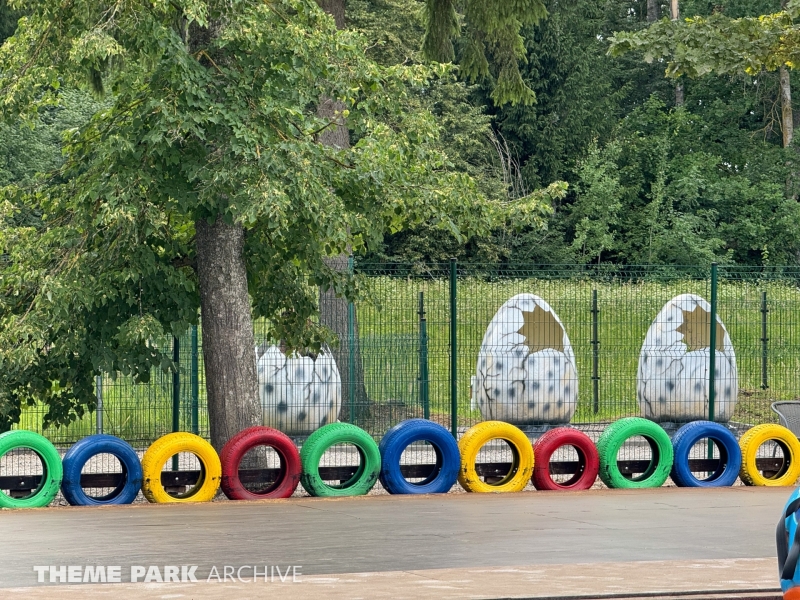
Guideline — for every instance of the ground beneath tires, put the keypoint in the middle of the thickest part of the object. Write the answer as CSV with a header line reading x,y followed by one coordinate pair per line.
x,y
661,541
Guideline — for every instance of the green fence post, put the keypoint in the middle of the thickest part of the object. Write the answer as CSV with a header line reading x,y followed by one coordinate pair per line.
x,y
712,355
176,393
453,350
98,389
351,352
423,359
595,356
764,340
195,383
712,350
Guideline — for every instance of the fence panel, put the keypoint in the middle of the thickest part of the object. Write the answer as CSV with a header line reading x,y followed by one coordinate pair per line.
x,y
621,358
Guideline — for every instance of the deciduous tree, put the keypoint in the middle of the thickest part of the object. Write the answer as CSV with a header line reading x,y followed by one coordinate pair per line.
x,y
719,44
201,184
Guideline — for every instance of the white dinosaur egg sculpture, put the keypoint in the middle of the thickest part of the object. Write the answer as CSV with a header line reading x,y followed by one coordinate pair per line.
x,y
672,380
526,367
299,394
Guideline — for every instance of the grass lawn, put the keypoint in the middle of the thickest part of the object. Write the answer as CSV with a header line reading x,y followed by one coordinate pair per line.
x,y
389,337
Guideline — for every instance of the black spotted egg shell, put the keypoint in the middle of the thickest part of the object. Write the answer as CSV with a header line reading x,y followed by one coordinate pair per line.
x,y
526,372
299,394
672,382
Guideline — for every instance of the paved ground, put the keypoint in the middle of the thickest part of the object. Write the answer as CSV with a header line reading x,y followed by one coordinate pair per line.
x,y
454,534
742,578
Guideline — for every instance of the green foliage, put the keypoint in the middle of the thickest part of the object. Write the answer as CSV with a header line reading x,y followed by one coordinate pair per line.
x,y
492,31
211,115
28,149
682,200
579,129
718,43
597,204
578,95
394,28
734,9
8,20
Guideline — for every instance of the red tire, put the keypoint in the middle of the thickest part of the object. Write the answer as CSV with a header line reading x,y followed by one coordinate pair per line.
x,y
588,460
244,441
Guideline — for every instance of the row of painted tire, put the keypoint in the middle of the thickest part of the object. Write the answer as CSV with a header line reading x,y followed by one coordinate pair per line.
x,y
454,461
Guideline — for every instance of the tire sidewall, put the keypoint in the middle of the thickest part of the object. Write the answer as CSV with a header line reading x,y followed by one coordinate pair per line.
x,y
753,439
612,439
340,433
691,433
404,434
551,441
175,443
82,451
481,434
234,451
51,462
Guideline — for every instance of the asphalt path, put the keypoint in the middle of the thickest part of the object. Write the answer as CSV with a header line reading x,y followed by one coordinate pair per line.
x,y
399,533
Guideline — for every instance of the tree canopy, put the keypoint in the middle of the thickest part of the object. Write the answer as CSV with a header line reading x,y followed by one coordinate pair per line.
x,y
126,126
718,43
608,125
492,31
208,116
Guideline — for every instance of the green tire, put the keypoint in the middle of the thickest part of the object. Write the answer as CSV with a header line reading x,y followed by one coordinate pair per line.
x,y
612,439
340,433
52,472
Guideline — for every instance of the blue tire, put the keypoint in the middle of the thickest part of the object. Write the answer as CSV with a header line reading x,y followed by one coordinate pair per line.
x,y
729,452
399,437
80,453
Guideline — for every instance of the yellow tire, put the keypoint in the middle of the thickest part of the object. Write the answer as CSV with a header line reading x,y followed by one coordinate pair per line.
x,y
752,440
521,468
169,445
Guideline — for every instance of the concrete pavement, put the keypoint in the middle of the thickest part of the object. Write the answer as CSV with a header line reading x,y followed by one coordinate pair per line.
x,y
741,578
458,536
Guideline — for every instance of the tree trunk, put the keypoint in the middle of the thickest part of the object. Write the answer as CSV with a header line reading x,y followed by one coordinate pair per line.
x,y
335,135
787,114
227,326
334,315
333,311
675,14
653,9
334,8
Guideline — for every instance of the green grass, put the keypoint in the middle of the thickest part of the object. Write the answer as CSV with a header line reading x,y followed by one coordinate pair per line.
x,y
135,412
626,311
389,337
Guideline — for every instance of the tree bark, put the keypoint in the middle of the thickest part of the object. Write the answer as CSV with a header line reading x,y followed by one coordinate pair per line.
x,y
787,113
333,311
227,328
336,135
334,315
675,14
334,8
653,9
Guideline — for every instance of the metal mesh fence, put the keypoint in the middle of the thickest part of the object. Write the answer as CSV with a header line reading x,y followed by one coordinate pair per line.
x,y
140,412
535,347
